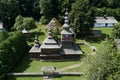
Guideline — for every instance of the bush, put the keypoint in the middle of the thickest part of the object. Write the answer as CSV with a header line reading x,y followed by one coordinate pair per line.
x,y
11,49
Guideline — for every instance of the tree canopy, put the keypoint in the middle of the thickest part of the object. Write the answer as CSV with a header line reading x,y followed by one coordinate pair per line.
x,y
45,10
21,23
49,10
82,17
116,31
9,9
11,49
104,65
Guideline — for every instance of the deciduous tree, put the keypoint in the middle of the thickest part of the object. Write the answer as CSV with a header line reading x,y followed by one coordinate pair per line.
x,y
104,65
21,23
49,9
82,17
116,31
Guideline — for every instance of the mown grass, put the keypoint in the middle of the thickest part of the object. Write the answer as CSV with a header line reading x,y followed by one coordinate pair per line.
x,y
27,65
69,78
106,32
85,49
25,78
40,31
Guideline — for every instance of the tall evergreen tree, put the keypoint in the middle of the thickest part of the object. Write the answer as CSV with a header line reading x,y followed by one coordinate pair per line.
x,y
82,17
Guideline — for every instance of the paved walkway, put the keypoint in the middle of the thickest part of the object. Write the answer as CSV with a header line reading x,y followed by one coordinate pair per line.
x,y
68,67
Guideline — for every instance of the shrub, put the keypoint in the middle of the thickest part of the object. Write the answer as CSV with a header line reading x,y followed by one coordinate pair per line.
x,y
11,49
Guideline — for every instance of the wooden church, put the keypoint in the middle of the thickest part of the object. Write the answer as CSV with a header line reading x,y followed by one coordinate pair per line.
x,y
50,49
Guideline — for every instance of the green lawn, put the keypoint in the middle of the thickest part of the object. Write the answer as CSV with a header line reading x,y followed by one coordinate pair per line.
x,y
27,65
85,49
25,78
69,78
40,31
106,32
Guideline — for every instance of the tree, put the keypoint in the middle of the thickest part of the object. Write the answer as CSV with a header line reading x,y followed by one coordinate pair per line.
x,y
116,31
30,8
104,65
49,10
114,3
82,17
21,23
18,22
63,4
9,9
11,50
3,35
99,3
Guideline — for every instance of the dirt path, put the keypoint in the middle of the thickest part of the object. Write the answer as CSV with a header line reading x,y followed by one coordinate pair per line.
x,y
47,78
93,53
62,69
68,67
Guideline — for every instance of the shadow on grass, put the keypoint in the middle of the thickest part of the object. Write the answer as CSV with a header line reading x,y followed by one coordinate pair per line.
x,y
20,67
32,36
96,39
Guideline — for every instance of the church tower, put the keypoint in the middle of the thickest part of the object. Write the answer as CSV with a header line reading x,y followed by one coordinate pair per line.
x,y
67,34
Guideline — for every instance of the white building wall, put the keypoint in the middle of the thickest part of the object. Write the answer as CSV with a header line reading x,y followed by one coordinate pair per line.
x,y
104,24
99,25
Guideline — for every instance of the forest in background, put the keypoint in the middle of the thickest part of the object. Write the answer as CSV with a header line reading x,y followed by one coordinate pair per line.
x,y
44,10
82,15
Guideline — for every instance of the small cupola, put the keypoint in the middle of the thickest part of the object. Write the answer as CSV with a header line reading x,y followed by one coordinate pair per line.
x,y
36,41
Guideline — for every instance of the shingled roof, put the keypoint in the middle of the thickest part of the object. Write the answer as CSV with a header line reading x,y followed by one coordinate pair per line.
x,y
53,24
109,19
50,43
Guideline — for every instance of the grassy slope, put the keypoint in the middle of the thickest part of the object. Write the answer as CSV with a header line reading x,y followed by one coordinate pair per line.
x,y
39,31
26,65
106,32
